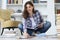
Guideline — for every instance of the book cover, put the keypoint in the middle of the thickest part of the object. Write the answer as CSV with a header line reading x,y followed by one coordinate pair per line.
x,y
12,1
16,1
57,1
35,1
20,1
9,1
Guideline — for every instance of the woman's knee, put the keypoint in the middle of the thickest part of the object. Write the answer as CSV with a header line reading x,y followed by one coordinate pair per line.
x,y
48,23
46,26
20,26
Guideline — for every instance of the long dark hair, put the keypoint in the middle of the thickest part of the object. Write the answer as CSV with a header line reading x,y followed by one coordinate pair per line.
x,y
25,12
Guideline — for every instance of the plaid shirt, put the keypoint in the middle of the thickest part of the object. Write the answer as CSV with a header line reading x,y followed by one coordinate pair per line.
x,y
37,19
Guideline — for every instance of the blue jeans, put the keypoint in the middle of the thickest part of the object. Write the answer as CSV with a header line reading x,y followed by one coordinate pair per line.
x,y
45,27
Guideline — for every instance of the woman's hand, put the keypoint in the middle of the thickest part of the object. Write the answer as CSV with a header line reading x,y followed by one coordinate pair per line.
x,y
40,25
26,35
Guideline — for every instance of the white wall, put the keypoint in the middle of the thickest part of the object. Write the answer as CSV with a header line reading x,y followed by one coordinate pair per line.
x,y
4,4
51,17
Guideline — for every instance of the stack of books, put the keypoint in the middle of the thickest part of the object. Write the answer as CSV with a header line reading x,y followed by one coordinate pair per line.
x,y
14,1
38,1
35,1
58,19
57,1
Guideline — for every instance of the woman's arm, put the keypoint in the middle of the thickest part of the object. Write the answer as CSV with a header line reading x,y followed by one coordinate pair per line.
x,y
40,25
24,26
24,29
41,20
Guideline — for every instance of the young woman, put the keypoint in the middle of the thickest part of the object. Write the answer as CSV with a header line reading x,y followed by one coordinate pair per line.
x,y
32,21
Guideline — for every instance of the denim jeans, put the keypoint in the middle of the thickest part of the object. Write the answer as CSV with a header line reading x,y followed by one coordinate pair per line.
x,y
46,26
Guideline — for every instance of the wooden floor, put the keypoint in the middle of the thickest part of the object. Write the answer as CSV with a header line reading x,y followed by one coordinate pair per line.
x,y
35,38
17,37
53,37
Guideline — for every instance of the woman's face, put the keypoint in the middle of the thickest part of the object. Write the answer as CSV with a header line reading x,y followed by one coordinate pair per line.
x,y
29,8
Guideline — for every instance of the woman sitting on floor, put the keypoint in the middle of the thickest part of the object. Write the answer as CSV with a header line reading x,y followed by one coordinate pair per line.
x,y
32,21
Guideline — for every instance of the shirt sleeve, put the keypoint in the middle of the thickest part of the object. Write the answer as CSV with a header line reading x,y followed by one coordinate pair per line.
x,y
41,19
24,25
